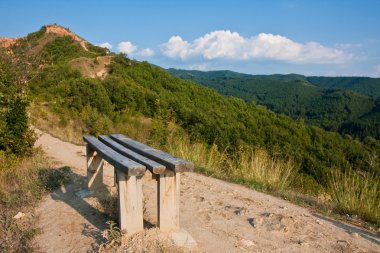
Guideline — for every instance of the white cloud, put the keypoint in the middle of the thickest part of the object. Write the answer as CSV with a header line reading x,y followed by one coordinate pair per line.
x,y
231,45
126,47
106,45
146,52
377,71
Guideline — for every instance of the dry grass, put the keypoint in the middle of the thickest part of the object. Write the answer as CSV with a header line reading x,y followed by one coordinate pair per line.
x,y
22,183
356,193
60,126
71,128
253,167
270,171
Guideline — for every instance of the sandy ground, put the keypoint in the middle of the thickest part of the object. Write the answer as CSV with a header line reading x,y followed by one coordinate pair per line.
x,y
220,216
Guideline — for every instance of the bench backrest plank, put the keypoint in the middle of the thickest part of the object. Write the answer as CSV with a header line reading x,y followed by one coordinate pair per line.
x,y
129,167
172,163
151,165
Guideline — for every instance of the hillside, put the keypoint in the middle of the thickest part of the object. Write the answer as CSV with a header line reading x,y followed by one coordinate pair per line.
x,y
224,136
333,103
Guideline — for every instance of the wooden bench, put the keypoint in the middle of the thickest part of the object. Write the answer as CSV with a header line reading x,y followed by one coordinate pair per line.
x,y
130,160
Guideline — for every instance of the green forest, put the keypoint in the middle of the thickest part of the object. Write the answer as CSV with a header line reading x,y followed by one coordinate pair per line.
x,y
228,123
348,105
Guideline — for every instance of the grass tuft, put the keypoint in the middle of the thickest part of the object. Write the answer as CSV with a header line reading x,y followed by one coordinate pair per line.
x,y
356,193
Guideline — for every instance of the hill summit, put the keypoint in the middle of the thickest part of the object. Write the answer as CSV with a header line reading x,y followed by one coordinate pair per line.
x,y
52,29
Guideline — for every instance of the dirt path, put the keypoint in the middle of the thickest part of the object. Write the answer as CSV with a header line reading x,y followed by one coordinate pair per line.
x,y
220,216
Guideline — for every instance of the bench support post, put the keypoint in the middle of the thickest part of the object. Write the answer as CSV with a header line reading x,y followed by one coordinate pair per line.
x,y
94,169
168,200
130,202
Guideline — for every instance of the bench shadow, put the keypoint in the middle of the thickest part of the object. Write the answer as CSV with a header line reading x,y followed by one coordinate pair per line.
x,y
368,235
64,184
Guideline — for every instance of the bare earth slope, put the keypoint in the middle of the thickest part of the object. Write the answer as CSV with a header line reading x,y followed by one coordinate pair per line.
x,y
220,216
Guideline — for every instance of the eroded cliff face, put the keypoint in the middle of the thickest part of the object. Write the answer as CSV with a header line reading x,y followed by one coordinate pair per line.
x,y
7,42
56,29
50,29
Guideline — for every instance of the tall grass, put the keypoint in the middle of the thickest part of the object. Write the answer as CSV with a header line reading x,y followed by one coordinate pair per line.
x,y
356,193
259,166
253,167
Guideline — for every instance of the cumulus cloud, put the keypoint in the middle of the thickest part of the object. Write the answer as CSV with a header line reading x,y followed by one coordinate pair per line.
x,y
126,47
146,52
224,44
105,45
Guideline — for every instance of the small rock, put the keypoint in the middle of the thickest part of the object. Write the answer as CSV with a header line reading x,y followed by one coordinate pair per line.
x,y
19,215
354,234
253,222
318,222
247,243
284,207
182,238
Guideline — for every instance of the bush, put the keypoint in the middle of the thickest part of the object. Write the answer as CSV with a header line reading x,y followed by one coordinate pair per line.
x,y
18,139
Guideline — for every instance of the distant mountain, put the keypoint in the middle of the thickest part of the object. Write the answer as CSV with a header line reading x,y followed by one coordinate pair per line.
x,y
364,85
334,103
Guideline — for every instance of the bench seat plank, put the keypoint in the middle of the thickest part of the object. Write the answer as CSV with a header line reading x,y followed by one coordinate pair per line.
x,y
129,167
151,165
172,163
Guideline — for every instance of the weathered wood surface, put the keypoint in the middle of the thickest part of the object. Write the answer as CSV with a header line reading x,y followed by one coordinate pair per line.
x,y
120,162
171,162
168,193
151,165
95,165
130,203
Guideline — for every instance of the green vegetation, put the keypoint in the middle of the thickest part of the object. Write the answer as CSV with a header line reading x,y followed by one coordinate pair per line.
x,y
364,85
328,102
226,137
15,137
24,172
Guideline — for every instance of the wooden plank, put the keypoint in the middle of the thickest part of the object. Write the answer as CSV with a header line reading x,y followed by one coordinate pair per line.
x,y
151,165
172,163
130,203
168,193
129,167
95,165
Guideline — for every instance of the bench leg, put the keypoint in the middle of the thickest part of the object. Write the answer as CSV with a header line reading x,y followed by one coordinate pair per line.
x,y
130,202
94,169
168,201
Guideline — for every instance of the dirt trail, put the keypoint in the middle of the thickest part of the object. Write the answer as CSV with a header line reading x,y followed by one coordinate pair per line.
x,y
220,216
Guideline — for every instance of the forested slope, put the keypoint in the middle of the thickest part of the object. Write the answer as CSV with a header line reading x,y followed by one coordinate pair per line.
x,y
327,102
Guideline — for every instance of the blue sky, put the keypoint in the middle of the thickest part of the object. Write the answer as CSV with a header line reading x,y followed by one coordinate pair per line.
x,y
324,37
